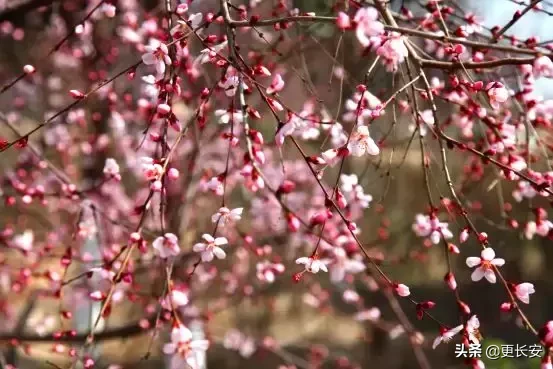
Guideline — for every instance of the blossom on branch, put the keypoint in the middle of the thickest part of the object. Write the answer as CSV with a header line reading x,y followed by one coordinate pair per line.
x,y
184,348
393,51
166,246
368,29
485,265
157,55
211,247
225,215
361,143
430,226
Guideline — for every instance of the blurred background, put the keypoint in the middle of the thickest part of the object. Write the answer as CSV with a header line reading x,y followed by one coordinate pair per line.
x,y
310,320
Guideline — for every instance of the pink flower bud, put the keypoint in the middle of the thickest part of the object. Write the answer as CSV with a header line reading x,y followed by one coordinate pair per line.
x,y
343,21
29,69
453,248
293,223
88,363
478,85
341,200
402,290
318,218
173,174
450,280
262,71
135,237
546,333
464,235
287,186
464,307
156,186
163,109
506,307
76,94
253,113
181,9
97,296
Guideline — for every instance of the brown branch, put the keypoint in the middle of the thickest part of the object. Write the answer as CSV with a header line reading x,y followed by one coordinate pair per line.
x,y
402,30
516,17
454,65
125,331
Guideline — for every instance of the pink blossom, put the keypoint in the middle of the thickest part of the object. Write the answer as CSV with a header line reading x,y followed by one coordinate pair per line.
x,y
464,235
225,215
368,27
470,328
230,85
312,265
430,226
177,298
393,51
211,53
329,157
541,228
24,241
523,291
343,265
210,247
342,21
546,333
152,171
166,246
446,335
286,130
543,67
485,264
361,143
157,55
236,341
497,93
111,168
372,315
184,347
267,271
402,290
276,85
227,116
109,10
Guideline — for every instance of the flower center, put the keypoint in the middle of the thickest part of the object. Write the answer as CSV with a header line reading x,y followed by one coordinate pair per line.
x,y
486,264
159,54
183,348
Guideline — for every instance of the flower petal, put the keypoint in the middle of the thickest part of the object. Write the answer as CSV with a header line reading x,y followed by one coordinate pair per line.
x,y
169,348
209,238
220,241
488,254
199,247
478,274
219,252
490,276
149,58
473,261
436,342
